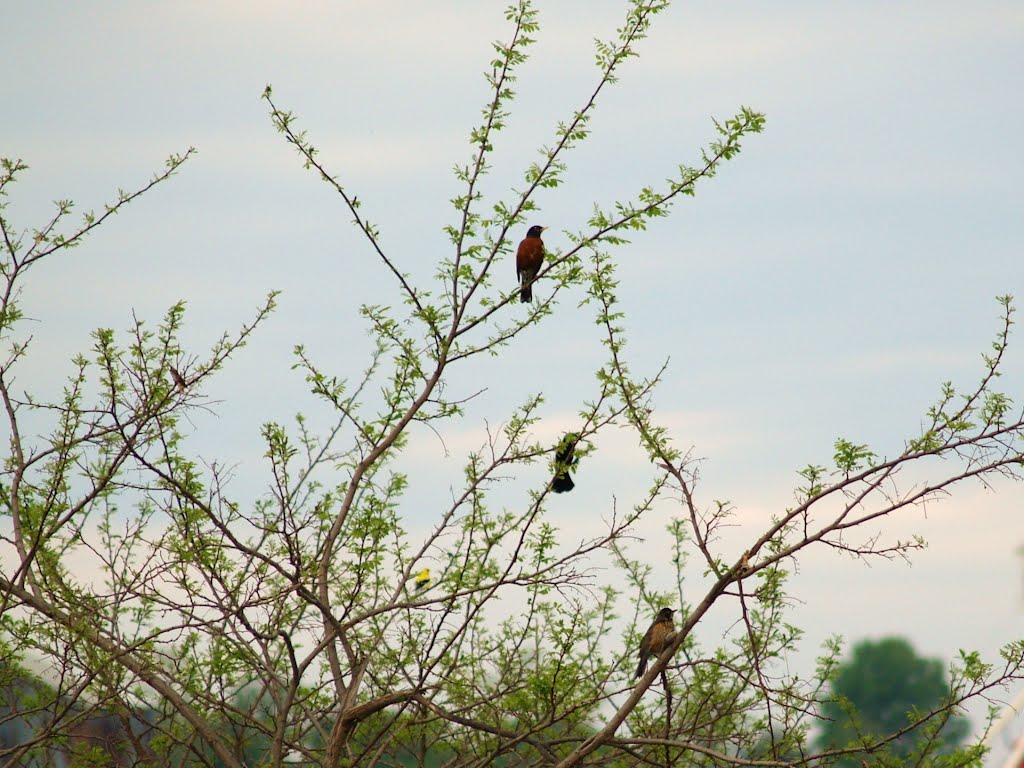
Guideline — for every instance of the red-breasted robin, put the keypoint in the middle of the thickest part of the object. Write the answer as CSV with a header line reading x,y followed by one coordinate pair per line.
x,y
565,460
529,258
656,639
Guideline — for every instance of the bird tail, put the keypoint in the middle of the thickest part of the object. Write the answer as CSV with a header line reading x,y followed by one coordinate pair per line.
x,y
641,668
526,294
562,483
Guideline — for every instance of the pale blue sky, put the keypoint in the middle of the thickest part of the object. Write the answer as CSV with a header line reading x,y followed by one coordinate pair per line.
x,y
823,284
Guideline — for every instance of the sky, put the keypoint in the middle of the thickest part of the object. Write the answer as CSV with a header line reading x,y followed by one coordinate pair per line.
x,y
822,285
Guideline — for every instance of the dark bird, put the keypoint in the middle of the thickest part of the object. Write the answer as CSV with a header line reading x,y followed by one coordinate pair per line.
x,y
529,258
565,459
179,380
658,636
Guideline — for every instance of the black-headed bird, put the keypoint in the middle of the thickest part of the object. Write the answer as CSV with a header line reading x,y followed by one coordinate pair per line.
x,y
658,636
529,259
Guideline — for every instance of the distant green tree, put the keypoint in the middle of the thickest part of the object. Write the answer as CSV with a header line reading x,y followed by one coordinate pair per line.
x,y
884,688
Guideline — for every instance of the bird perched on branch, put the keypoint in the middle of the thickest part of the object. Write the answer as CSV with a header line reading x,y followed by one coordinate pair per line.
x,y
565,459
529,258
179,381
658,636
421,580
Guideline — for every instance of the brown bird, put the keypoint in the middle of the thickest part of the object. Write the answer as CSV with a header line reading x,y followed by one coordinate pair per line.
x,y
529,258
179,380
656,639
565,460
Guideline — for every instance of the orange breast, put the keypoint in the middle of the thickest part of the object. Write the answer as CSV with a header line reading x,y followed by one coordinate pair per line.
x,y
530,255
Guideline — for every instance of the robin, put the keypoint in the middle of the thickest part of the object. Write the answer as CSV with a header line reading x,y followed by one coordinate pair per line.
x,y
529,258
657,637
564,461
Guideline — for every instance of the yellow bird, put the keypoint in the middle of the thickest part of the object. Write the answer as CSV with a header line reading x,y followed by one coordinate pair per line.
x,y
422,580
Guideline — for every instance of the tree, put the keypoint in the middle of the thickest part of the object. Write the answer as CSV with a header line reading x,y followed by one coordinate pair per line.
x,y
882,689
291,627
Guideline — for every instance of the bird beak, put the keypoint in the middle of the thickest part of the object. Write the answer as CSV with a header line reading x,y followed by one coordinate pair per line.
x,y
542,229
